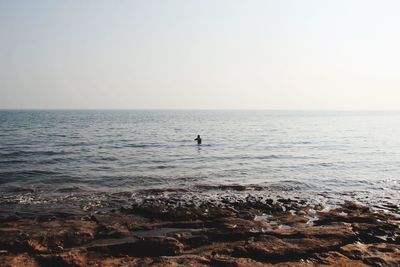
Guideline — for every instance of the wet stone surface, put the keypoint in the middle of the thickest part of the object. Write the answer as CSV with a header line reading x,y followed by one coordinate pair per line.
x,y
174,228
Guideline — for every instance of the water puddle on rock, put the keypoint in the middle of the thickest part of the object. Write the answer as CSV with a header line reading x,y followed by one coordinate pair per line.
x,y
159,232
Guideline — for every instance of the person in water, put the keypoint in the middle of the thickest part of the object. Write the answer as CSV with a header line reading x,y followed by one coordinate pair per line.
x,y
198,139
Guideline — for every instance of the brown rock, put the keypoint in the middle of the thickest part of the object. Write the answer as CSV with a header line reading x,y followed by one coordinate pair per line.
x,y
227,261
272,249
382,254
145,247
18,260
171,231
335,259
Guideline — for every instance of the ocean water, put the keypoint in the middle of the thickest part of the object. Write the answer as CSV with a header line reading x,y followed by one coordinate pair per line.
x,y
335,154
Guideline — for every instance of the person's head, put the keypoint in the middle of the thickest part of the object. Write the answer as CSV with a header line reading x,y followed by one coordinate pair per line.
x,y
198,136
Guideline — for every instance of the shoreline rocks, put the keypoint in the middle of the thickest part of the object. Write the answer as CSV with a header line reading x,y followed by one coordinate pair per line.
x,y
170,230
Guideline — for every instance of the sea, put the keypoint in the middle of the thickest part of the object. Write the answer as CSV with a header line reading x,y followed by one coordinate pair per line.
x,y
61,156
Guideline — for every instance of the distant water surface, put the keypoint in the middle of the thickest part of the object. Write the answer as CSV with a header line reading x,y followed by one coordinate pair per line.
x,y
335,153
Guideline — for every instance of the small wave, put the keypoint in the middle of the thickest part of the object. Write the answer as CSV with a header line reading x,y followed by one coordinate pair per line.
x,y
257,157
72,189
27,173
12,176
233,187
164,167
109,158
12,161
291,185
138,145
321,164
32,153
301,143
18,189
78,144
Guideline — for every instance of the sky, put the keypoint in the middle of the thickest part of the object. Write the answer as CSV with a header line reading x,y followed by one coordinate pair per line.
x,y
185,54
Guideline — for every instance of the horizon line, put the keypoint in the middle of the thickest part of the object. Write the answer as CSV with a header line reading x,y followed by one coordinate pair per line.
x,y
196,109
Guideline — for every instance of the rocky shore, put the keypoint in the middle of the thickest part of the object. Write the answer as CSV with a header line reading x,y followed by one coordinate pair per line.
x,y
168,228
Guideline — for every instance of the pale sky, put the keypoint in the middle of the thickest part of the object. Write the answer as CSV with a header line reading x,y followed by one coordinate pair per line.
x,y
282,54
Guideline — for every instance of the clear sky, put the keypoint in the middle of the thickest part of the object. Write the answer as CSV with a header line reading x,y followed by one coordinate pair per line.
x,y
282,54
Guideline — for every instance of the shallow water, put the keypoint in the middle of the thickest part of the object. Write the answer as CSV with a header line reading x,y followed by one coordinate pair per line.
x,y
336,155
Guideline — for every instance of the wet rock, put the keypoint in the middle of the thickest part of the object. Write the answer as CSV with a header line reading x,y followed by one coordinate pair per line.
x,y
144,247
73,237
23,259
230,187
166,229
37,247
382,254
182,260
354,207
191,241
272,249
51,260
336,259
226,261
106,231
